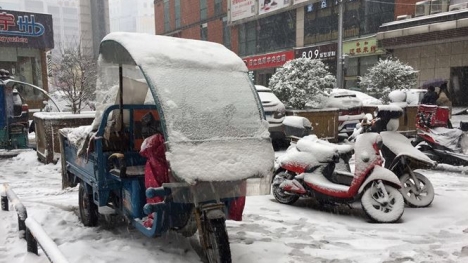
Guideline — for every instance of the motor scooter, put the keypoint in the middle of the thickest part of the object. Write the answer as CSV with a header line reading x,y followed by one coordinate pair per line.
x,y
436,140
400,156
306,168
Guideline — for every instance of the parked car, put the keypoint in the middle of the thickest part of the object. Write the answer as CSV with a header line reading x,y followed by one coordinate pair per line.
x,y
350,109
275,112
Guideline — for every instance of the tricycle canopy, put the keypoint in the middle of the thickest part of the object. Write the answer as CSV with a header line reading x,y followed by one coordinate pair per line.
x,y
211,116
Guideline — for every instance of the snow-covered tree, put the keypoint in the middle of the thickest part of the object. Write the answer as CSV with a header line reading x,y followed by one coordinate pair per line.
x,y
388,75
74,74
302,81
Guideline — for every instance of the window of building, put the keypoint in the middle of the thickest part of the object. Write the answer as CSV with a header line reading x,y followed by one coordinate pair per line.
x,y
247,38
167,20
360,18
218,7
268,34
226,34
203,10
204,31
177,13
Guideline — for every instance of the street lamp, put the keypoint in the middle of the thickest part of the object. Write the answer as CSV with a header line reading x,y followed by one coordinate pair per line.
x,y
339,57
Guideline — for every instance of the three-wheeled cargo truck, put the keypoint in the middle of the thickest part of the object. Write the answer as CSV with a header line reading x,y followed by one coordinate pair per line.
x,y
198,97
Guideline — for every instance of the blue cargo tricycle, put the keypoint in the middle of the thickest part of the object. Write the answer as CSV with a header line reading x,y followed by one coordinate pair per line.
x,y
198,95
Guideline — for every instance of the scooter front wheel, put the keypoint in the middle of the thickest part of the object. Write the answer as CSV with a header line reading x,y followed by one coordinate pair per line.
x,y
418,192
380,206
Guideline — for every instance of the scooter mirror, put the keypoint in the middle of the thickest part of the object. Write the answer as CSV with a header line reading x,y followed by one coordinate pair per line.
x,y
365,157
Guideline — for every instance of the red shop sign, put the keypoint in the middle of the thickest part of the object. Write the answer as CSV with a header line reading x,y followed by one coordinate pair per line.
x,y
272,60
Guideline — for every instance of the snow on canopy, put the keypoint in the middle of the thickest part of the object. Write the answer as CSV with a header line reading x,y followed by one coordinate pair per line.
x,y
204,96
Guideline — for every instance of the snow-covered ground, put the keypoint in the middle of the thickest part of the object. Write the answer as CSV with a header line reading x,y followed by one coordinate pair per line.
x,y
270,232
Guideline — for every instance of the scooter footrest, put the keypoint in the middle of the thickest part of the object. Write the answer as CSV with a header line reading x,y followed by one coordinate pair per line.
x,y
151,208
157,192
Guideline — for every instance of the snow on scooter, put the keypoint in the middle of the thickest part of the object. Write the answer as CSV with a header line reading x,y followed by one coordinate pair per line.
x,y
304,171
436,140
401,157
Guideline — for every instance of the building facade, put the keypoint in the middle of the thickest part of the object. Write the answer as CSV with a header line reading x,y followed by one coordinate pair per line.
x,y
266,34
131,16
432,37
94,24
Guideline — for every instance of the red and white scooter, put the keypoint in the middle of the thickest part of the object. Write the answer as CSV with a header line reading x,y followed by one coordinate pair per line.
x,y
306,169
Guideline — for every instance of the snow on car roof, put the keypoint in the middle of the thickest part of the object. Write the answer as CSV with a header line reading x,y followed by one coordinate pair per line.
x,y
366,99
262,88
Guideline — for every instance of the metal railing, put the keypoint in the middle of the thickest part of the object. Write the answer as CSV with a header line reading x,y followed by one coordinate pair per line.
x,y
33,232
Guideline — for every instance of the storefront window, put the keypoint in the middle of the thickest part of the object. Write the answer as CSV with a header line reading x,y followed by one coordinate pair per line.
x,y
23,64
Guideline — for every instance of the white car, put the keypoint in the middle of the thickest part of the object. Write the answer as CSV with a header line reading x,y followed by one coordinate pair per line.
x,y
275,111
350,109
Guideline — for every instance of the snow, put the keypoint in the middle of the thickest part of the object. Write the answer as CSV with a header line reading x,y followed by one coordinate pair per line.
x,y
296,122
63,115
221,160
363,97
270,232
45,241
343,100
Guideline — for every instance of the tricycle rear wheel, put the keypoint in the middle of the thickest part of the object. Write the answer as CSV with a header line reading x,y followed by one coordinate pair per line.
x,y
219,250
88,209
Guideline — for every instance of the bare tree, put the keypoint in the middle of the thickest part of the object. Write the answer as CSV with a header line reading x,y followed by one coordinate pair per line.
x,y
74,74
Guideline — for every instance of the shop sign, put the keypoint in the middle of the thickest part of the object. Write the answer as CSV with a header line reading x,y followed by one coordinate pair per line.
x,y
266,6
323,52
23,29
242,9
272,60
362,47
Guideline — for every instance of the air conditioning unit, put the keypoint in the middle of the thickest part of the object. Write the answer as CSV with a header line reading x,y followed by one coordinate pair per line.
x,y
458,6
423,8
439,6
403,17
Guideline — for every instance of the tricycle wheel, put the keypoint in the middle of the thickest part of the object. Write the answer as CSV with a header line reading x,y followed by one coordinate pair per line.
x,y
88,209
218,250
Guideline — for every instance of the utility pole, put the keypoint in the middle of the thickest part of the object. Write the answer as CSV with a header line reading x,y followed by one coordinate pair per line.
x,y
339,57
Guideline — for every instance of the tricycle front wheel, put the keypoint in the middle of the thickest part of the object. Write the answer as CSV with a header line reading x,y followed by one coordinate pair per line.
x,y
88,209
219,250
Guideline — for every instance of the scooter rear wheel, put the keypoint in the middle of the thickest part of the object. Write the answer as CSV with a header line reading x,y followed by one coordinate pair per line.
x,y
278,193
387,212
422,196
